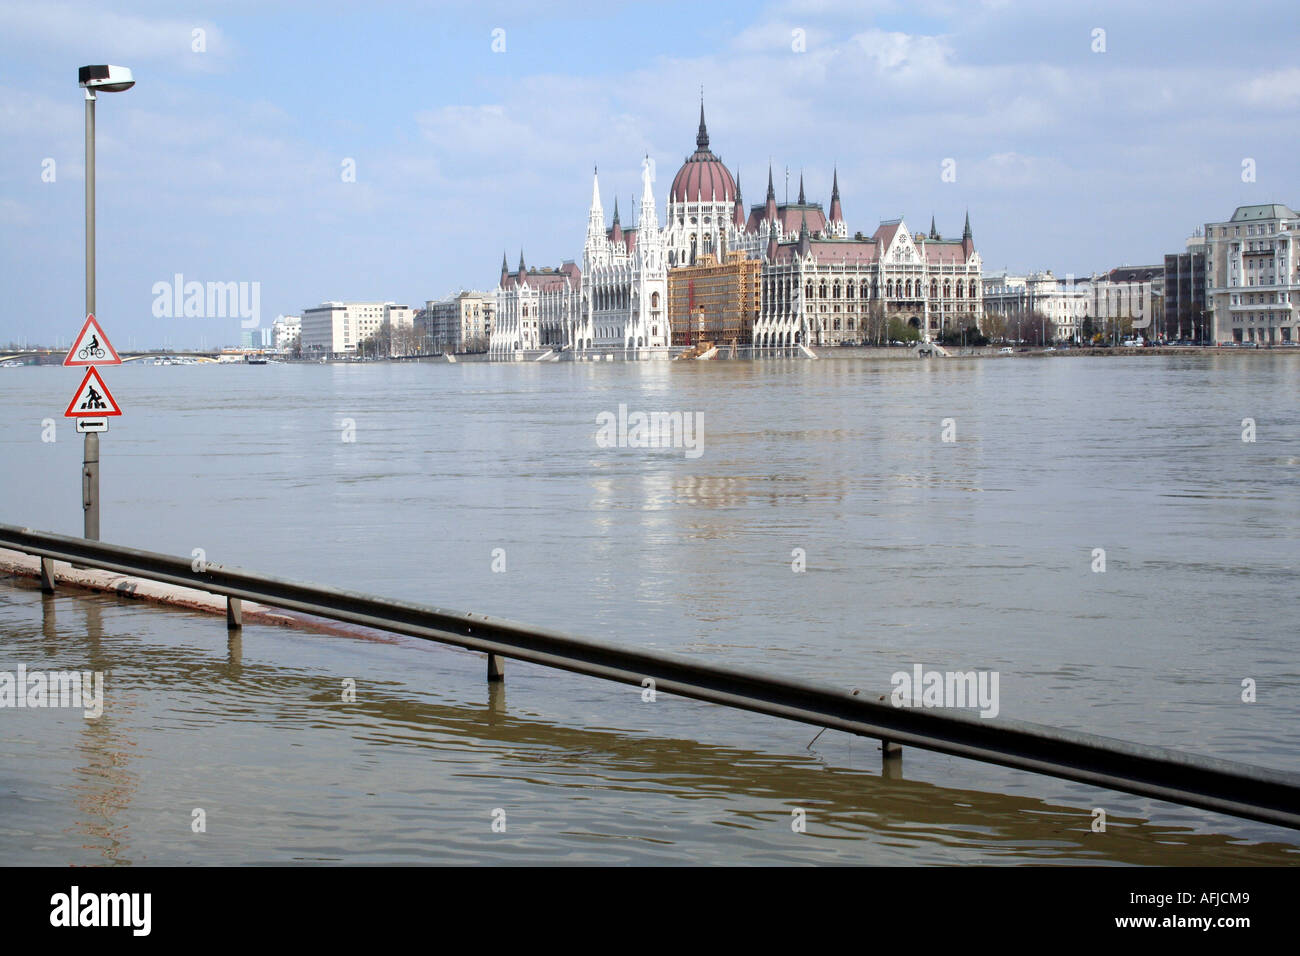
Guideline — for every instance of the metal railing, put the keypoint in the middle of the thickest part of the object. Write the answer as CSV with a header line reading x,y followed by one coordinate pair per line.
x,y
1242,790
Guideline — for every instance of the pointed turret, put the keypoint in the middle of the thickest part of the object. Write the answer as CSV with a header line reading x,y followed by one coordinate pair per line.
x,y
738,214
616,233
804,239
648,221
769,210
522,271
967,243
965,233
596,223
802,201
702,137
934,233
505,267
837,214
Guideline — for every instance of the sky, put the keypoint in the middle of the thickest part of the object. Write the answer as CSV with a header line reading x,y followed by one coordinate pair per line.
x,y
1079,137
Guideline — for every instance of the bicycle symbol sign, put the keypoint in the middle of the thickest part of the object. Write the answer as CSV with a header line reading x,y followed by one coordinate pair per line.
x,y
91,347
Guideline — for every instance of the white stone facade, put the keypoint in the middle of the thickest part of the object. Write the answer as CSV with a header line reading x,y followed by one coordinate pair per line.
x,y
1253,275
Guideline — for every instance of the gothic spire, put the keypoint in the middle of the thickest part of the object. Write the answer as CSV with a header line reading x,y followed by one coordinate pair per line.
x,y
771,193
965,233
934,233
616,210
702,137
522,270
802,201
837,214
595,191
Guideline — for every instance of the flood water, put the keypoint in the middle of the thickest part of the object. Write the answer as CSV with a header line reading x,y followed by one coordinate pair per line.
x,y
414,480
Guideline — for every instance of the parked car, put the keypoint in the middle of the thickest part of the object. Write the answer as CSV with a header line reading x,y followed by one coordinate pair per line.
x,y
1006,350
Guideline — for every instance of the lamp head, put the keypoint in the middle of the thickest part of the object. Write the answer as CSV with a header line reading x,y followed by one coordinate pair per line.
x,y
105,79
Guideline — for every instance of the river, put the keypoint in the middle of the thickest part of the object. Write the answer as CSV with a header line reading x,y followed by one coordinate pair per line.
x,y
483,487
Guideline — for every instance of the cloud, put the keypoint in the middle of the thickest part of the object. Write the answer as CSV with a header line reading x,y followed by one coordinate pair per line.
x,y
84,27
1049,140
1277,90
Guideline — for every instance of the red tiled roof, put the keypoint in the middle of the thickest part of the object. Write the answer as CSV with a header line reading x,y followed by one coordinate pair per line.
x,y
849,252
551,281
885,233
703,177
941,250
790,215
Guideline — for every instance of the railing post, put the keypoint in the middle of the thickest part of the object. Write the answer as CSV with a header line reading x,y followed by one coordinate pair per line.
x,y
47,575
496,668
234,614
890,749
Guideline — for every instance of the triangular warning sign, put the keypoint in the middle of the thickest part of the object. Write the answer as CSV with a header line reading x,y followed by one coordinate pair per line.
x,y
91,347
93,399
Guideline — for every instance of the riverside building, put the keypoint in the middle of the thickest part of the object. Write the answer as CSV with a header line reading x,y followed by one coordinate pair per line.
x,y
1253,277
816,285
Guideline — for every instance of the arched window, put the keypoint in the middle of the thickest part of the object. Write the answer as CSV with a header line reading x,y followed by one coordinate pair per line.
x,y
848,290
835,289
654,300
934,288
821,293
808,292
947,289
972,288
889,288
866,289
907,287
959,295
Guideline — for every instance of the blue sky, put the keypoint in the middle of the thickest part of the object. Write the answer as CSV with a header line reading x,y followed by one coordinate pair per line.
x,y
225,165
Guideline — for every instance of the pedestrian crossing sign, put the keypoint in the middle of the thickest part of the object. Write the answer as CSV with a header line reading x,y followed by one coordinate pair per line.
x,y
93,399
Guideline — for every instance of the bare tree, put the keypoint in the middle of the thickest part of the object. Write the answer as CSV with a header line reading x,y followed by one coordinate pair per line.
x,y
995,326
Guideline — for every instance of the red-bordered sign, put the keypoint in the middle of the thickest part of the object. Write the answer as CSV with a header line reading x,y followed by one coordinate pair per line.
x,y
91,347
91,401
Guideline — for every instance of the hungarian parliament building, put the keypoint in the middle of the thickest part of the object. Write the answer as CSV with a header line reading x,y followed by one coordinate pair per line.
x,y
794,275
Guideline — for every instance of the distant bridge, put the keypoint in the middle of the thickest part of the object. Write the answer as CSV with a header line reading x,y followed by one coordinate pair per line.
x,y
55,356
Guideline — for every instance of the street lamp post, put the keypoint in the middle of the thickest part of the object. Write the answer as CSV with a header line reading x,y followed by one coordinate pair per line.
x,y
93,79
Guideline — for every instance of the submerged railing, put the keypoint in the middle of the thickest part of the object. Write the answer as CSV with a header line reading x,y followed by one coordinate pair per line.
x,y
1242,790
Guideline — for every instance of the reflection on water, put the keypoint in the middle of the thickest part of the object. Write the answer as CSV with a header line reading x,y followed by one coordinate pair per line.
x,y
405,775
974,553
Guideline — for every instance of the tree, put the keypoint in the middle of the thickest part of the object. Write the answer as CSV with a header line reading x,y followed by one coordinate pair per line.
x,y
995,326
875,324
1038,329
378,344
964,332
1089,329
901,330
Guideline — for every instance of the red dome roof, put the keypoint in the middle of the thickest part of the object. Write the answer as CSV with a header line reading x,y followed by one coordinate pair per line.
x,y
702,176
